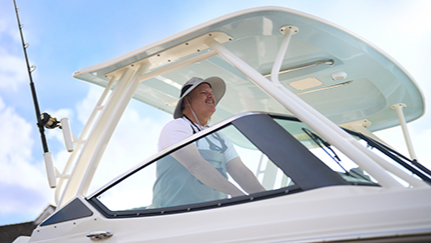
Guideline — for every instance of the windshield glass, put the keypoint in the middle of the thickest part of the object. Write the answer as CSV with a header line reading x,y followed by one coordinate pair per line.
x,y
327,153
256,156
169,182
243,166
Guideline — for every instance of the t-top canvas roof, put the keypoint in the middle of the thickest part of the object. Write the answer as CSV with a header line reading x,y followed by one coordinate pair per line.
x,y
341,75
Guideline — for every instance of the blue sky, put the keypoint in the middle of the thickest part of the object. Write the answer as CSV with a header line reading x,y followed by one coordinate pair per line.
x,y
65,36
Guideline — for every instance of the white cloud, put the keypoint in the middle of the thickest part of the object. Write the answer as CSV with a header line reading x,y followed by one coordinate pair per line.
x,y
86,106
22,179
12,73
9,29
16,142
134,140
12,66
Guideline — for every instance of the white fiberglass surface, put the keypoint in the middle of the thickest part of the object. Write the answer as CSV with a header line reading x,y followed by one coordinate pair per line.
x,y
373,77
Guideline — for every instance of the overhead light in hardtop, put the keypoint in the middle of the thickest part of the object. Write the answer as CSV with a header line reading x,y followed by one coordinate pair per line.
x,y
327,62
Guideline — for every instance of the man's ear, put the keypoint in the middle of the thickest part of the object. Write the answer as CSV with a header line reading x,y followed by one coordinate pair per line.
x,y
187,101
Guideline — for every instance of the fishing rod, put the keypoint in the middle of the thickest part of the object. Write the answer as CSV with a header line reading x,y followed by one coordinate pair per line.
x,y
43,120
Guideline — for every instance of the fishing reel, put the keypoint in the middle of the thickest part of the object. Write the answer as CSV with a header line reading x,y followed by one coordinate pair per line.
x,y
49,121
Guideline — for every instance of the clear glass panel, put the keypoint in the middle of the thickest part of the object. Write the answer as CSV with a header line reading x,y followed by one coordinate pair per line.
x,y
328,154
212,168
136,192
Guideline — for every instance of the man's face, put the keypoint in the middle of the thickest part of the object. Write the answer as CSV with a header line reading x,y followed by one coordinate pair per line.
x,y
202,100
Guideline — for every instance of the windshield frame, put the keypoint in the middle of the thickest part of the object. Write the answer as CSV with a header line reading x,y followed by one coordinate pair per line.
x,y
246,124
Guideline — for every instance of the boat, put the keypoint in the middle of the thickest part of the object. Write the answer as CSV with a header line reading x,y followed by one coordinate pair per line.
x,y
303,98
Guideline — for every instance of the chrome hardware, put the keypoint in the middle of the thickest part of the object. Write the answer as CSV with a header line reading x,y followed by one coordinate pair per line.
x,y
99,235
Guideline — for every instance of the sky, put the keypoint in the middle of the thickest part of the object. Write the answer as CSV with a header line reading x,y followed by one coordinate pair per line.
x,y
65,36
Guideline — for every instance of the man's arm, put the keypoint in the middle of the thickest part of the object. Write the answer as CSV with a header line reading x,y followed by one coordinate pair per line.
x,y
190,158
243,176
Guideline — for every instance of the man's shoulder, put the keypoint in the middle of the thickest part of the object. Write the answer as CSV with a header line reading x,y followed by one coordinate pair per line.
x,y
173,132
179,123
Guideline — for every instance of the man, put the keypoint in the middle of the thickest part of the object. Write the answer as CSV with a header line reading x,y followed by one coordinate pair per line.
x,y
198,172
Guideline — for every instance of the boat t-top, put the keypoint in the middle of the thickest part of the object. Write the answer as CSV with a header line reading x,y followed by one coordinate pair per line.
x,y
303,98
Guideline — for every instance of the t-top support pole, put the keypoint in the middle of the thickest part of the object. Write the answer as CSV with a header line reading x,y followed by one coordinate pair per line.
x,y
399,108
288,31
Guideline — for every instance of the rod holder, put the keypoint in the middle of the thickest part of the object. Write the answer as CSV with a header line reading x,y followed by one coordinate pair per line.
x,y
67,134
50,169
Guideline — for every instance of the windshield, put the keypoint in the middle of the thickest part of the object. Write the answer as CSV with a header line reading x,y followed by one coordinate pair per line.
x,y
167,182
257,156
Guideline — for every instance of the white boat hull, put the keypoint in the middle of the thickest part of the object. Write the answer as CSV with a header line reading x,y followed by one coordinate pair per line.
x,y
331,214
